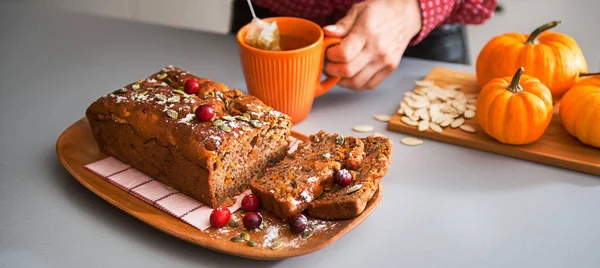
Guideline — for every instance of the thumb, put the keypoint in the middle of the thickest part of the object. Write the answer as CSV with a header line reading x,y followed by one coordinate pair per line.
x,y
343,26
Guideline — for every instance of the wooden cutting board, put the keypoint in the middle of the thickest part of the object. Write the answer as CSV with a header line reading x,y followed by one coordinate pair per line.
x,y
556,147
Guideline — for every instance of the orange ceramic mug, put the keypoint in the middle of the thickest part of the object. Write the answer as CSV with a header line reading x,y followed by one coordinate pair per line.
x,y
288,80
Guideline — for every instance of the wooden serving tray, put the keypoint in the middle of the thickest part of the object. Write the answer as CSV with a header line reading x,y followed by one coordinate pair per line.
x,y
556,147
76,148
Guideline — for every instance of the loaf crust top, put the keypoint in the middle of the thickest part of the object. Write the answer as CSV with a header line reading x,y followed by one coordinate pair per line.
x,y
158,109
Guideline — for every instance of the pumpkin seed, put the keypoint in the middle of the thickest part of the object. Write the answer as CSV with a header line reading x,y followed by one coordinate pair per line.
x,y
306,234
237,239
262,226
161,76
423,125
382,117
180,92
135,86
469,114
339,139
452,87
160,97
276,245
363,128
245,128
409,121
224,128
245,236
219,94
471,107
354,188
218,123
172,114
467,128
424,83
410,141
435,127
251,243
229,118
247,116
120,91
255,123
234,223
457,122
175,98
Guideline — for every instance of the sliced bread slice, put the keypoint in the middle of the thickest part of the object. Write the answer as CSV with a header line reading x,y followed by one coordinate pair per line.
x,y
288,187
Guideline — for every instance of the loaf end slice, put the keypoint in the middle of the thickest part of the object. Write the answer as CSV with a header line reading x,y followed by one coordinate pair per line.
x,y
338,203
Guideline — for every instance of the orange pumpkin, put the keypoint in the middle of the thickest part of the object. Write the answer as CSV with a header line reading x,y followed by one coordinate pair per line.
x,y
514,110
554,58
580,110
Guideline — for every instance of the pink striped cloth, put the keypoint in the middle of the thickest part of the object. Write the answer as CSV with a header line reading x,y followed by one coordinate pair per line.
x,y
159,195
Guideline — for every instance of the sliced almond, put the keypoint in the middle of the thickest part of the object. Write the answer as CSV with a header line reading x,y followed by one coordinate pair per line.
x,y
382,117
410,141
435,127
363,128
469,114
423,125
467,128
409,121
424,83
457,122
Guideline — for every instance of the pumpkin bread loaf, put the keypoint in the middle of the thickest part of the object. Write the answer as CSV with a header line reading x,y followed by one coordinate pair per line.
x,y
292,184
343,203
151,125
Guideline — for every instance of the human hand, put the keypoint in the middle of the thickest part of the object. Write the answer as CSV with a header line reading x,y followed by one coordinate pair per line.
x,y
374,35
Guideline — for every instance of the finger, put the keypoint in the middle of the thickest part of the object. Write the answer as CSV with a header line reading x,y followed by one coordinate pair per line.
x,y
343,26
350,69
378,78
390,63
348,49
359,81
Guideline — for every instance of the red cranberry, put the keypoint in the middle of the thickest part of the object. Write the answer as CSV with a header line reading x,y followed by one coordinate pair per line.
x,y
220,216
343,177
250,203
298,223
191,86
252,220
205,112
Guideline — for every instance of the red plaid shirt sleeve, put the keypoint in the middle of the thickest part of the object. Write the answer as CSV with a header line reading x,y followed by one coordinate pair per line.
x,y
439,12
434,12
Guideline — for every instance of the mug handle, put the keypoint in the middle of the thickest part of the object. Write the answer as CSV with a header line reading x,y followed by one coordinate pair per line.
x,y
330,81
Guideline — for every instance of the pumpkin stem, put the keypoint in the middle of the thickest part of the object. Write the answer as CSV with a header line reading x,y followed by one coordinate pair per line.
x,y
514,86
534,35
588,74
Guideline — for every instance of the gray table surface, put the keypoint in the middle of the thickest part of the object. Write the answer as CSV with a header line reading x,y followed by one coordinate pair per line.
x,y
444,205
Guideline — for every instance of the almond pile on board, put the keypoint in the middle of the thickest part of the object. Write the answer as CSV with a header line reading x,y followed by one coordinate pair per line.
x,y
432,107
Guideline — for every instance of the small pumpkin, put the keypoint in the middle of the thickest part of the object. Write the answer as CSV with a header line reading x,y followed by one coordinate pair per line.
x,y
514,110
579,110
554,58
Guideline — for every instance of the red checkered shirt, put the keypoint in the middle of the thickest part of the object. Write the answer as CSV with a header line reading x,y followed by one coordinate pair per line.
x,y
434,12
